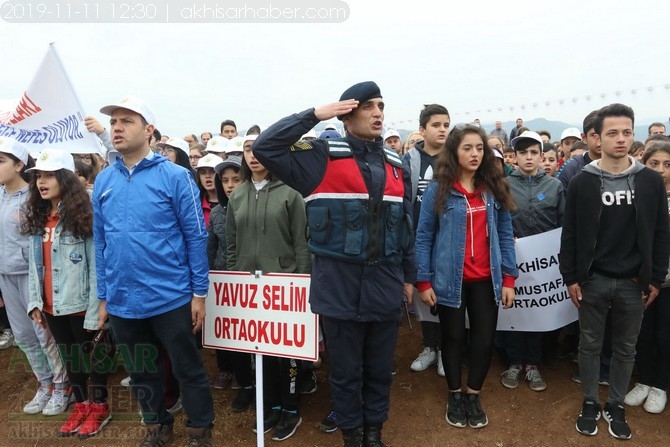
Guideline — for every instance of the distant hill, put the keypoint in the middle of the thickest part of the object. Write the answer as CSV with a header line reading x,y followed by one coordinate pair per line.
x,y
554,127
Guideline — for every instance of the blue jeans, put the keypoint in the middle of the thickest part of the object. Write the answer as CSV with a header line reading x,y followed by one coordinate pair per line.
x,y
523,348
138,342
623,298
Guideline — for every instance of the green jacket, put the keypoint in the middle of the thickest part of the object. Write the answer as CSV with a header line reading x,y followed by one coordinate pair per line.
x,y
266,230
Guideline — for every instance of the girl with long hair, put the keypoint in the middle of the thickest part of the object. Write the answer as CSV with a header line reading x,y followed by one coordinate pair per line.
x,y
62,283
465,252
653,343
205,179
266,230
52,396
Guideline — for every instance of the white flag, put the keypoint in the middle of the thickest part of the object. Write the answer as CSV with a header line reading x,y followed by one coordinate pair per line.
x,y
49,113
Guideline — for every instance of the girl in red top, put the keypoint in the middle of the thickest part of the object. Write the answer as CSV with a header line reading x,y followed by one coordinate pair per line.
x,y
59,218
465,253
205,179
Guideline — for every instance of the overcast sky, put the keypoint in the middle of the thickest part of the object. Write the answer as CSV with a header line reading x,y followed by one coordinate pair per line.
x,y
481,59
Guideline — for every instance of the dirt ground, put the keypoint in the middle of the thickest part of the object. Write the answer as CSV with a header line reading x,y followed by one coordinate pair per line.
x,y
517,418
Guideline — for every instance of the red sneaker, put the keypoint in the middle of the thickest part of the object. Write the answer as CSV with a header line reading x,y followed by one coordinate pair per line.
x,y
98,417
76,419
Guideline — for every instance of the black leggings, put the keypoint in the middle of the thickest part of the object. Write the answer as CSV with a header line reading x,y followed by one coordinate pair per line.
x,y
71,337
478,298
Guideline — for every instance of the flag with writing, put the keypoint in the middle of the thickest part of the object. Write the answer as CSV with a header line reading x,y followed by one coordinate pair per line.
x,y
49,113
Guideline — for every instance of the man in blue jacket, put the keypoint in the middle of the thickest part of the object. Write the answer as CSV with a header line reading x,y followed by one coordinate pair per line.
x,y
359,214
151,254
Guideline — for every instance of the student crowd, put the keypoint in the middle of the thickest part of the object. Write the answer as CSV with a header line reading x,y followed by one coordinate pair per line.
x,y
113,251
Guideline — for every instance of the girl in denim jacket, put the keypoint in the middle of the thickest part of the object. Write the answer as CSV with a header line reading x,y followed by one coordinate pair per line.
x,y
36,342
465,252
62,283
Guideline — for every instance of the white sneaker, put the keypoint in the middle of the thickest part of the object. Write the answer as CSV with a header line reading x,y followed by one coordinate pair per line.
x,y
126,381
37,404
656,401
440,365
637,395
60,400
7,339
424,360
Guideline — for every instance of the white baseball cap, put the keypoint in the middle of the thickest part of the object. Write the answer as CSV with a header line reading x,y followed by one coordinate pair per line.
x,y
209,161
133,103
52,159
11,146
236,144
178,143
528,135
330,126
250,138
571,132
309,135
217,144
391,133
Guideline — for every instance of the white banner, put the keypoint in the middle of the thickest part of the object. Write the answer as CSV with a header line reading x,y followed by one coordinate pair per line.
x,y
261,314
542,302
49,113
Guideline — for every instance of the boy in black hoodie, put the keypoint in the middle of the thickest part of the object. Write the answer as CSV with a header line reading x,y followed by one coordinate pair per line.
x,y
614,256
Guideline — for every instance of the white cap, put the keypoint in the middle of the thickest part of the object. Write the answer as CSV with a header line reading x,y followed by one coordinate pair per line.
x,y
571,132
330,126
52,159
309,135
177,143
133,103
250,138
528,135
217,144
391,133
11,146
236,144
209,161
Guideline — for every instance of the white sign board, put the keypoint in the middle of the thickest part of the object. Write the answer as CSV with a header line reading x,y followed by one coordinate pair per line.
x,y
261,314
542,302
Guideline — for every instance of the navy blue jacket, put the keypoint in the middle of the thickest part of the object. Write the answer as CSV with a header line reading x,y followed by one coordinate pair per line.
x,y
339,289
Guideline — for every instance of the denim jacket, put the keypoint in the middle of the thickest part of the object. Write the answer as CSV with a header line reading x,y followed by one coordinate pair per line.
x,y
73,276
440,245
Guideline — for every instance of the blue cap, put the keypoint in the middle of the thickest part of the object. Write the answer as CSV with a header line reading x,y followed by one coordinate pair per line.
x,y
361,92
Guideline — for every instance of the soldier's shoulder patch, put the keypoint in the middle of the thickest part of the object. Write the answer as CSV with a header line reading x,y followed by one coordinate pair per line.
x,y
301,145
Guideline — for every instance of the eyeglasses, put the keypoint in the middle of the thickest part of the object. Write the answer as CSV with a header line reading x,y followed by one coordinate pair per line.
x,y
167,150
194,157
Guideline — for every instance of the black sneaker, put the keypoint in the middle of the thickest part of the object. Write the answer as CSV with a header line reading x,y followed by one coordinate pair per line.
x,y
587,422
329,423
270,420
615,416
473,411
456,410
308,385
245,397
287,425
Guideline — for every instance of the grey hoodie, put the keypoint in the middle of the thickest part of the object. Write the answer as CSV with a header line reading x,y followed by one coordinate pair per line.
x,y
616,252
14,247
